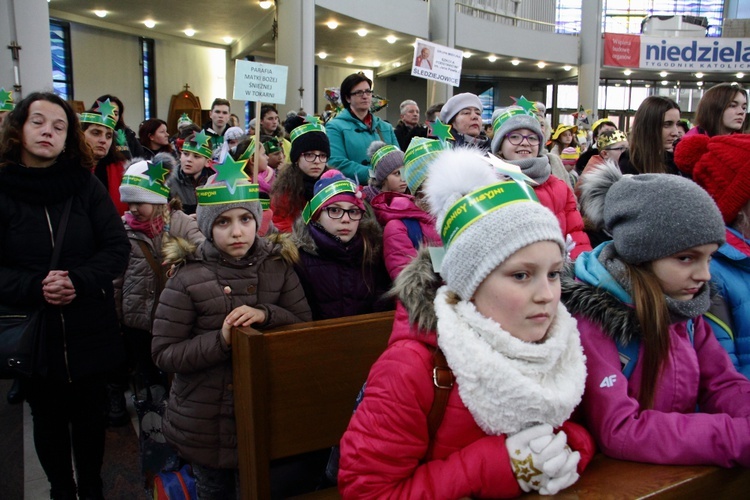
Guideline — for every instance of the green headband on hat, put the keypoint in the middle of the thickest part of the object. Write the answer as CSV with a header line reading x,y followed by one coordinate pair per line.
x,y
325,194
305,128
272,146
508,114
153,179
213,194
470,208
381,153
417,159
104,117
249,153
6,100
202,145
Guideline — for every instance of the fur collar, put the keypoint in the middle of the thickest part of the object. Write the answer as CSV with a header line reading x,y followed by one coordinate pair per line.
x,y
416,287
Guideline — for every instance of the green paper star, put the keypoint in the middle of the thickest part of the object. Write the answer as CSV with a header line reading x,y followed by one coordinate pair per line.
x,y
230,172
529,106
157,173
442,131
202,138
106,108
5,96
184,116
313,119
120,138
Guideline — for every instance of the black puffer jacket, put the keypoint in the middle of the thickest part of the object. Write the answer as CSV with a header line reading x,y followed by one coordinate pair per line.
x,y
82,338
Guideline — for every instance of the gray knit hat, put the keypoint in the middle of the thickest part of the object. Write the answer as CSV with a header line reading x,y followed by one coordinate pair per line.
x,y
384,160
506,120
482,219
652,216
457,103
215,198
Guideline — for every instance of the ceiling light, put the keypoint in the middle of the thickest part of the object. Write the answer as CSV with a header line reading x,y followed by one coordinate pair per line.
x,y
541,64
664,82
628,81
332,25
617,84
515,62
189,32
397,64
567,67
492,58
391,39
467,55
227,39
699,75
376,64
349,59
322,55
149,23
362,32
740,75
648,85
627,72
700,84
265,4
663,74
100,13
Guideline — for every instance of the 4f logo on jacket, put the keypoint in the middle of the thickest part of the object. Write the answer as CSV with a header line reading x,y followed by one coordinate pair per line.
x,y
608,381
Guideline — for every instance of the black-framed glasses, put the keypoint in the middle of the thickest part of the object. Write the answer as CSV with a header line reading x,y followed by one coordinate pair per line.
x,y
312,157
621,148
362,93
338,213
516,139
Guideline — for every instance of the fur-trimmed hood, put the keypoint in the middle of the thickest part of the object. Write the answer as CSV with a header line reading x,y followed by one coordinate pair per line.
x,y
416,287
368,228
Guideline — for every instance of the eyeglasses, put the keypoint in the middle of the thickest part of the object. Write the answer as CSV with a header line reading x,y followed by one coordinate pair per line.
x,y
362,93
621,148
338,213
517,139
312,157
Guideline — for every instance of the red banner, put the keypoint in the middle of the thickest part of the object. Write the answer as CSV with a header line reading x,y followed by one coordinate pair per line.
x,y
622,50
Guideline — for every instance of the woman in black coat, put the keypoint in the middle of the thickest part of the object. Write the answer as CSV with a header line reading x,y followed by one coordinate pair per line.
x,y
44,161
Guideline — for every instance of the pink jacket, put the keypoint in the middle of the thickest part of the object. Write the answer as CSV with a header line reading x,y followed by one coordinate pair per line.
x,y
390,208
695,373
387,438
557,196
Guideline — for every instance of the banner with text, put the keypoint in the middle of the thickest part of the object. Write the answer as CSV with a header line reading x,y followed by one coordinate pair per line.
x,y
677,54
437,62
260,82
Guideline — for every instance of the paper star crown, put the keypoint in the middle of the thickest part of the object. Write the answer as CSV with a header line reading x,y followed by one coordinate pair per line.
x,y
312,125
184,120
146,177
230,185
6,100
102,115
509,113
272,146
417,160
605,140
249,153
325,194
201,144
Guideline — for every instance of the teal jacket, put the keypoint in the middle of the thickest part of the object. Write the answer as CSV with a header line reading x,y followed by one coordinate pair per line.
x,y
350,138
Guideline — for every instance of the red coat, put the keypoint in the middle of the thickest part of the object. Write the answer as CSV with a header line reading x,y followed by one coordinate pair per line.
x,y
557,196
387,438
283,215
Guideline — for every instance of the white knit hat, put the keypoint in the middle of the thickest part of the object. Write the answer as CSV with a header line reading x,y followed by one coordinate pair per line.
x,y
144,182
458,102
481,218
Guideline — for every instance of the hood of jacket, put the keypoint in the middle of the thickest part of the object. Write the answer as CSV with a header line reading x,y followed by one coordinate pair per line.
x,y
390,206
416,288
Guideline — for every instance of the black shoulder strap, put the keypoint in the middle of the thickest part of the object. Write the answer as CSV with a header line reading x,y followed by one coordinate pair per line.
x,y
57,248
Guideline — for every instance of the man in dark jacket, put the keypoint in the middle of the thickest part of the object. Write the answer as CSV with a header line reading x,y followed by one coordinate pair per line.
x,y
408,126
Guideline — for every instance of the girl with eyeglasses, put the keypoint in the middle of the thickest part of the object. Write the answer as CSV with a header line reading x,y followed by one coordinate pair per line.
x,y
518,140
340,251
294,184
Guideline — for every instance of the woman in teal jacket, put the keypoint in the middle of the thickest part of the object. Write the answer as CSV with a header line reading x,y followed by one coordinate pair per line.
x,y
353,130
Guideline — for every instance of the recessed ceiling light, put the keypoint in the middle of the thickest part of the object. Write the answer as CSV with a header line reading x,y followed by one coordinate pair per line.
x,y
397,64
189,32
227,39
699,75
663,74
376,64
627,72
391,39
628,82
362,32
322,55
149,23
349,59
700,84
492,58
541,64
100,13
567,67
648,85
617,84
515,62
740,75
664,82
332,25
265,4
467,55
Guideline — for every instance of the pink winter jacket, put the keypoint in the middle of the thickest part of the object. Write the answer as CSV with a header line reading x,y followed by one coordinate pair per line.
x,y
694,373
387,439
390,209
557,196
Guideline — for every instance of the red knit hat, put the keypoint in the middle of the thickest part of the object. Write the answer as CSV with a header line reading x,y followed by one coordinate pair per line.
x,y
720,165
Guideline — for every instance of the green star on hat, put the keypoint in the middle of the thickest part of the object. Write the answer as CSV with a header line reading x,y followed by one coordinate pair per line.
x,y
231,172
157,173
6,100
103,115
442,131
199,145
529,106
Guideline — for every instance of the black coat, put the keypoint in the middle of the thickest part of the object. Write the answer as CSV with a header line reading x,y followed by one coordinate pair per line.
x,y
81,338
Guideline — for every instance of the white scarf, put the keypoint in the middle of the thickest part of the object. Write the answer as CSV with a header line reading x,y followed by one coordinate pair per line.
x,y
508,384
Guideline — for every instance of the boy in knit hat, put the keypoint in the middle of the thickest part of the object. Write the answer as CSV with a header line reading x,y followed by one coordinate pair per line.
x,y
236,279
386,162
517,365
650,356
194,170
275,152
720,165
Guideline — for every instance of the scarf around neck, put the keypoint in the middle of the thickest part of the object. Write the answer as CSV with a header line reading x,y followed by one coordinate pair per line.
x,y
508,384
537,168
150,228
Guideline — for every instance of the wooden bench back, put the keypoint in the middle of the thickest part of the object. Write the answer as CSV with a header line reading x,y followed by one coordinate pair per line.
x,y
294,388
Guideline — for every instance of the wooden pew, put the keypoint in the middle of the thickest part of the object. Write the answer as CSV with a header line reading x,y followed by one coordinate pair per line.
x,y
294,389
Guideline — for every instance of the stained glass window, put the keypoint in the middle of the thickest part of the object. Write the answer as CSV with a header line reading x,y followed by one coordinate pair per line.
x,y
62,67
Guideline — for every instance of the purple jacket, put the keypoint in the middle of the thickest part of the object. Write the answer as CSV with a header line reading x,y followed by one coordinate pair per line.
x,y
390,209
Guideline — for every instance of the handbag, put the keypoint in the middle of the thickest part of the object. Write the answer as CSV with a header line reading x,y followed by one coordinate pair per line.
x,y
21,328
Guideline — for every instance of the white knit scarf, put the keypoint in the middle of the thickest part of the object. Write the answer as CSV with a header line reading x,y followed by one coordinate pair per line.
x,y
508,384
